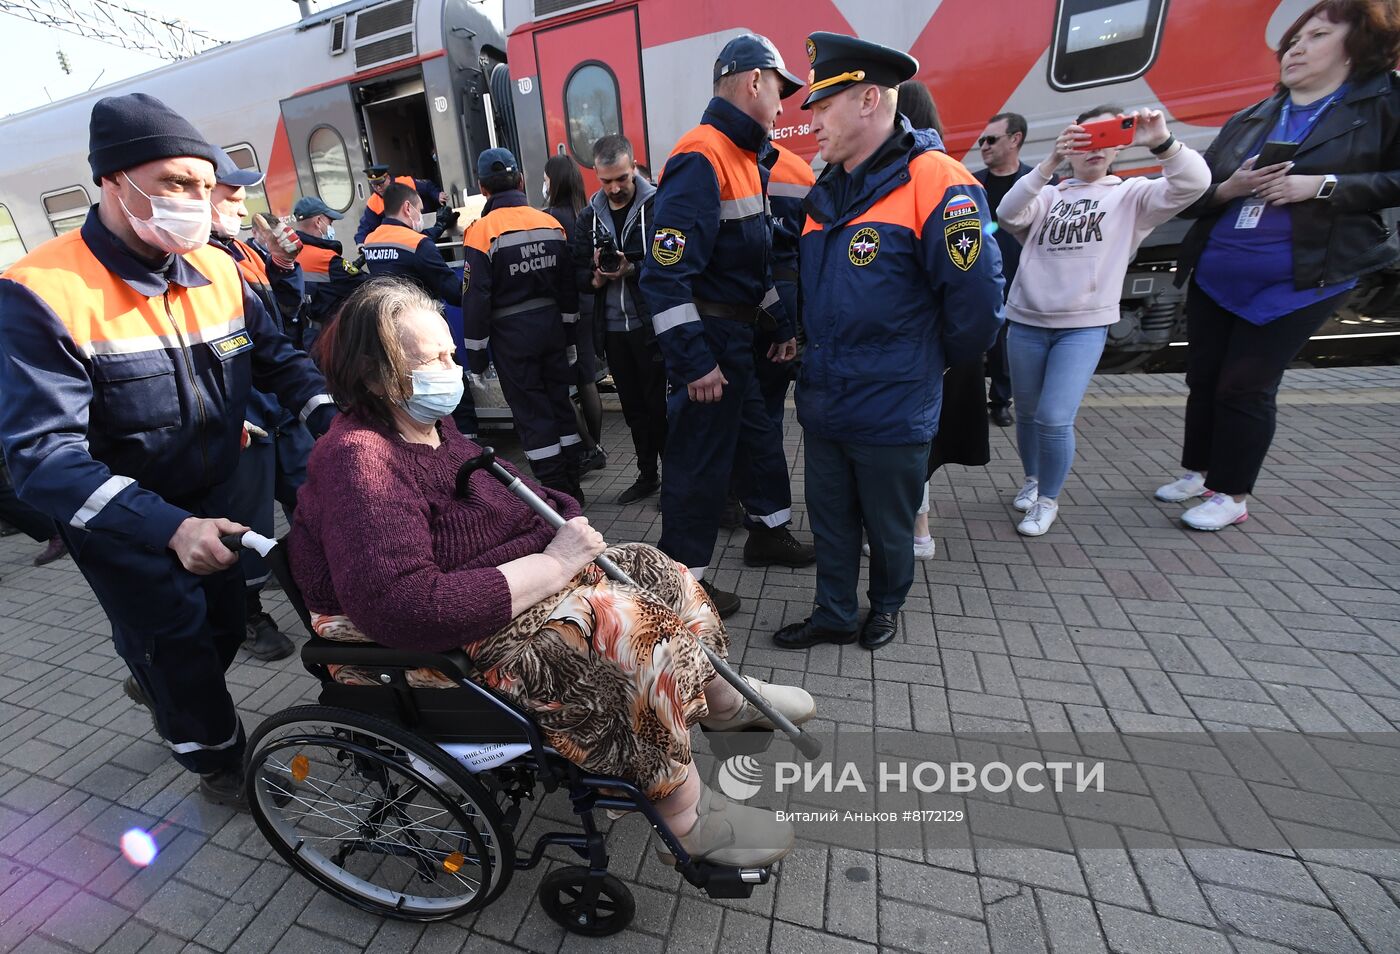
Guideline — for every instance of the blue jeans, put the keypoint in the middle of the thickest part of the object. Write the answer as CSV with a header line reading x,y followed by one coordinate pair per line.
x,y
1050,370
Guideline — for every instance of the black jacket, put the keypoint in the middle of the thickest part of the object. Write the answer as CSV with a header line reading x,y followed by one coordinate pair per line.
x,y
595,221
1358,141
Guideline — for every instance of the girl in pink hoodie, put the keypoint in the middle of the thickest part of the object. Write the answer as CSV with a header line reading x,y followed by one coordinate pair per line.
x,y
1077,239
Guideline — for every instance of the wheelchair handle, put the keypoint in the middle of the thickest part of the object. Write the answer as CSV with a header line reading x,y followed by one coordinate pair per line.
x,y
807,744
250,540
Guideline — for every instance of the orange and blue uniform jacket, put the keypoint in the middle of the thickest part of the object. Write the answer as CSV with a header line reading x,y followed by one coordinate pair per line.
x,y
126,385
899,282
516,268
281,292
373,215
789,182
712,239
396,249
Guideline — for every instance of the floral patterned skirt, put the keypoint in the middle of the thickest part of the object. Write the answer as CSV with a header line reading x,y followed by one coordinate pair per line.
x,y
614,675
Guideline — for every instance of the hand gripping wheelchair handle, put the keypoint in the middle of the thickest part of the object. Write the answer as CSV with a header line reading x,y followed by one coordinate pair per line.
x,y
251,540
807,744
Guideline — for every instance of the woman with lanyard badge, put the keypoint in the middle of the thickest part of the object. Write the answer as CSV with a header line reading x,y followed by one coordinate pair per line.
x,y
1276,249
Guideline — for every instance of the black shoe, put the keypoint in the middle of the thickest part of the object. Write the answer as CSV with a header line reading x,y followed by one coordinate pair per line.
x,y
804,634
595,459
767,546
732,516
265,641
726,603
1001,416
879,629
136,694
224,787
643,487
56,549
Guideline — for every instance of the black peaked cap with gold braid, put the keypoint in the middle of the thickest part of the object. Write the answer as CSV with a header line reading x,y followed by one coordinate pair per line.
x,y
840,61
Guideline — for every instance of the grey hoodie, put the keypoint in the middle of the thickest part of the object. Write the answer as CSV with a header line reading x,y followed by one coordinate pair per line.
x,y
623,305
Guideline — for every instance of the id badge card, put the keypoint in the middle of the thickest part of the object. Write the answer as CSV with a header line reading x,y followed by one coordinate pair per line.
x,y
1250,214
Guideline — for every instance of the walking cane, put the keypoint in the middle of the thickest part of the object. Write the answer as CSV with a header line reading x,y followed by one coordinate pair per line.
x,y
806,743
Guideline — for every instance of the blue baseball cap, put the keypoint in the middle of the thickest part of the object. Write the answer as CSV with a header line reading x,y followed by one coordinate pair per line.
x,y
309,205
227,172
492,161
750,51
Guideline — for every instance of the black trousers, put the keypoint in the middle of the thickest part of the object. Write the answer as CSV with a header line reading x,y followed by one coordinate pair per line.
x,y
640,375
999,370
1233,370
20,515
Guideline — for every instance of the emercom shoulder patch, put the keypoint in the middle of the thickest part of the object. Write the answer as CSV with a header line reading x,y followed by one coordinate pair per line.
x,y
963,237
667,246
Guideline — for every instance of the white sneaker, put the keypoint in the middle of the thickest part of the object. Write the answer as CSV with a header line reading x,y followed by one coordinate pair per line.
x,y
1029,494
1039,517
1190,484
1218,512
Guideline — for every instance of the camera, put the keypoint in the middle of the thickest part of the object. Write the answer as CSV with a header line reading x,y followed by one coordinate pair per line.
x,y
609,258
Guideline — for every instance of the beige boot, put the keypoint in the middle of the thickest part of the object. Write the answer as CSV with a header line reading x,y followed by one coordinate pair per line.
x,y
728,833
792,701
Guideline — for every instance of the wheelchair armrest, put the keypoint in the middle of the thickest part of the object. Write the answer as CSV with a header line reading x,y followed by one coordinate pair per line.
x,y
453,663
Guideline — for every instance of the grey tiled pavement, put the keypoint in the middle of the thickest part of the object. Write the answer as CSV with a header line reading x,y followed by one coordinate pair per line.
x,y
1116,618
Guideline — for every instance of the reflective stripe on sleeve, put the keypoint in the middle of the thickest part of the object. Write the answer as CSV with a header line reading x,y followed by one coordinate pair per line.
x,y
476,344
570,317
674,317
787,190
313,404
100,498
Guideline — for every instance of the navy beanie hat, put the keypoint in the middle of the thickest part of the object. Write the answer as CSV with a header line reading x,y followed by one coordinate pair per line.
x,y
127,131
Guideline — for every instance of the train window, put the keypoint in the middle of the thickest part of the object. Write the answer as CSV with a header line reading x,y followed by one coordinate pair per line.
x,y
1104,41
592,108
66,208
11,245
330,167
244,158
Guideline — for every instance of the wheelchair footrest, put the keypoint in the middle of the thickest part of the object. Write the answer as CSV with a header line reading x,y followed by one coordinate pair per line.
x,y
721,881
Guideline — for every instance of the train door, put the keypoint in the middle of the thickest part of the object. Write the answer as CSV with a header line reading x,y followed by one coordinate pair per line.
x,y
590,74
323,131
398,127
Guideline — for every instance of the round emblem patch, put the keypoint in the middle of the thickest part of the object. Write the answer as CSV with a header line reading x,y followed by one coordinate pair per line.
x,y
865,245
667,246
811,51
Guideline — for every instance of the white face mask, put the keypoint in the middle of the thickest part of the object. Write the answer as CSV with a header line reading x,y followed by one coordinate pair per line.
x,y
227,225
417,222
176,226
330,233
544,191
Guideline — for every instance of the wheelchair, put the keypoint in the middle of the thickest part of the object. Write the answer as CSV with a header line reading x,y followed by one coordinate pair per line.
x,y
365,795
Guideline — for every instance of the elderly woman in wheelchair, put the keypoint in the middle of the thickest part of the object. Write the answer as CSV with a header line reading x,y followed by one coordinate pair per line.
x,y
613,677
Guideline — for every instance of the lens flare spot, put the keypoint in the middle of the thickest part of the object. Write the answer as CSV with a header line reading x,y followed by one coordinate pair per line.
x,y
139,848
991,228
454,862
301,767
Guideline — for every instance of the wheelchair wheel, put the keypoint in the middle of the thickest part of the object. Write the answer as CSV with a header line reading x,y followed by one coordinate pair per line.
x,y
564,896
377,816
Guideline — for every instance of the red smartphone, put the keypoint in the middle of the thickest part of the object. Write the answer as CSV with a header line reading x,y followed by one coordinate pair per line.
x,y
1109,133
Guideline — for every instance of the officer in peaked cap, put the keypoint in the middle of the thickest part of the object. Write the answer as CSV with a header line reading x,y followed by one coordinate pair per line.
x,y
839,62
708,279
897,284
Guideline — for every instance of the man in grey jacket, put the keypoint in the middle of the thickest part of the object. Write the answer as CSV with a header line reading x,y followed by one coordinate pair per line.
x,y
609,241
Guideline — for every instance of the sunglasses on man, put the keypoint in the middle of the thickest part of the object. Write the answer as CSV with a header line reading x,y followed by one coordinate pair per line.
x,y
989,140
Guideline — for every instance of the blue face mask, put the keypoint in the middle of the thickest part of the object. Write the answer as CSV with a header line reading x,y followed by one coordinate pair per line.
x,y
330,233
436,394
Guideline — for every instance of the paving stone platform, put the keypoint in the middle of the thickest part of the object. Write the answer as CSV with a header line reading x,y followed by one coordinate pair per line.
x,y
1116,619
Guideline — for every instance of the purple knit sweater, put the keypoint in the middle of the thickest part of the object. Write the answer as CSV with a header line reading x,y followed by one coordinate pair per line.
x,y
380,536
